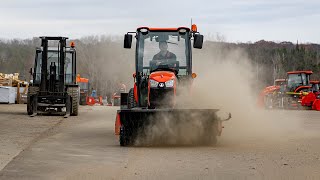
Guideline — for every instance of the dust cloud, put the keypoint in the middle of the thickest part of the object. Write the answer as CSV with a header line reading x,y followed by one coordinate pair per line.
x,y
225,81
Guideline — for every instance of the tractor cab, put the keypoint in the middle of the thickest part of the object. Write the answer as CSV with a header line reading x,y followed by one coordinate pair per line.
x,y
279,82
163,60
298,81
315,86
84,89
297,87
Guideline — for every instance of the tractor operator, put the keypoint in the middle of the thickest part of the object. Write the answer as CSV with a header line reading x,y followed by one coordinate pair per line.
x,y
164,54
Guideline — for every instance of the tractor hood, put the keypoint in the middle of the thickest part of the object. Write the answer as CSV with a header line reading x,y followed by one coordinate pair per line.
x,y
162,76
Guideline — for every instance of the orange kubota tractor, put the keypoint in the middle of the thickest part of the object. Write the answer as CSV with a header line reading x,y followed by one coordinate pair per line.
x,y
84,89
158,78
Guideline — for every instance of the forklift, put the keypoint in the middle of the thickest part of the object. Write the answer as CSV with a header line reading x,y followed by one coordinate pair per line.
x,y
54,89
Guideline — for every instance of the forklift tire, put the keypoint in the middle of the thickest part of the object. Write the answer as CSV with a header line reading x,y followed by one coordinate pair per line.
x,y
32,91
75,106
74,93
29,105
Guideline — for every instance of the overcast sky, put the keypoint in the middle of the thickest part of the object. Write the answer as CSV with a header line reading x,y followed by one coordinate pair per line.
x,y
238,20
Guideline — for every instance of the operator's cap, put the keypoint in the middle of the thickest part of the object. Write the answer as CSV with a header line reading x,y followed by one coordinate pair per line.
x,y
163,42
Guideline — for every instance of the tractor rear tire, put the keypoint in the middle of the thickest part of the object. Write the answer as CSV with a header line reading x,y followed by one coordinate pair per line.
x,y
131,101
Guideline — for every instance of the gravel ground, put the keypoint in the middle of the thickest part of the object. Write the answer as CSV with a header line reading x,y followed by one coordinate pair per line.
x,y
278,145
18,130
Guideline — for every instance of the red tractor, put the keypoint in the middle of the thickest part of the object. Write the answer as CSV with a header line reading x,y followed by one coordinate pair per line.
x,y
297,86
289,93
269,96
312,99
158,78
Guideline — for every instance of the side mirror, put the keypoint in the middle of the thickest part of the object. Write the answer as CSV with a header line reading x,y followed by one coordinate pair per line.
x,y
30,71
127,41
197,41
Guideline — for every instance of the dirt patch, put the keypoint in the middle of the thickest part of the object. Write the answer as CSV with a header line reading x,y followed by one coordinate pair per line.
x,y
18,130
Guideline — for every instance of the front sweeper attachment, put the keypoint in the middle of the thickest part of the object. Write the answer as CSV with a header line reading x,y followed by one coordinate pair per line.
x,y
201,125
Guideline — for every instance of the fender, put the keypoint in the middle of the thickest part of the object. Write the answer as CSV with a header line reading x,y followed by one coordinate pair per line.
x,y
135,92
301,87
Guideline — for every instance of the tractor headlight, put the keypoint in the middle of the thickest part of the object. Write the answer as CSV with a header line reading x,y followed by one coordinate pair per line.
x,y
153,83
170,83
318,97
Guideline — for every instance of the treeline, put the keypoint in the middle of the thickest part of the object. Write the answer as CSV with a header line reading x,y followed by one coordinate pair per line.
x,y
103,60
270,60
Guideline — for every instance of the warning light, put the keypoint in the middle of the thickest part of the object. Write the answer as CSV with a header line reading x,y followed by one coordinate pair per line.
x,y
72,44
194,28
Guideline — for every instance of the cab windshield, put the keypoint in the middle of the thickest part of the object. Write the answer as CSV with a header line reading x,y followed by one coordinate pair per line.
x,y
83,85
296,80
53,58
164,51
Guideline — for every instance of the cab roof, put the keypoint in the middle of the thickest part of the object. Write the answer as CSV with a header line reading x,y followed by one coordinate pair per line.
x,y
299,72
314,82
80,79
162,29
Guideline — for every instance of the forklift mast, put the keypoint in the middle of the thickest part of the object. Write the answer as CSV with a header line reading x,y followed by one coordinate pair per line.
x,y
61,63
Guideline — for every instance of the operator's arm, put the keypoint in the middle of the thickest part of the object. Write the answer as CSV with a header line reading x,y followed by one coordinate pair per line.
x,y
172,57
155,57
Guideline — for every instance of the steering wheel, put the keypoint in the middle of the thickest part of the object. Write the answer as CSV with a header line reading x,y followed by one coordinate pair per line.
x,y
162,62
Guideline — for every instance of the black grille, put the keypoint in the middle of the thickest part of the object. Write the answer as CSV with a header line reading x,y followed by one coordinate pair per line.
x,y
161,97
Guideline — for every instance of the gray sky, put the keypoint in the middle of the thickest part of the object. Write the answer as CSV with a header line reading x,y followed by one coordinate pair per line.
x,y
238,20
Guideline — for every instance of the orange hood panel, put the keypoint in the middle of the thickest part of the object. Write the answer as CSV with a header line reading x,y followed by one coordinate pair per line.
x,y
162,76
